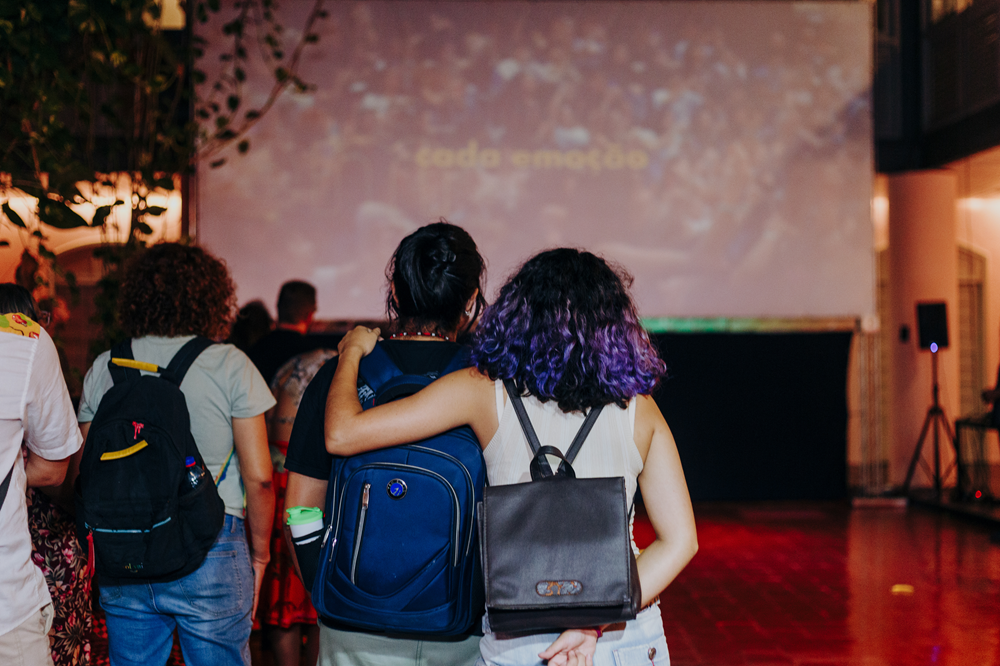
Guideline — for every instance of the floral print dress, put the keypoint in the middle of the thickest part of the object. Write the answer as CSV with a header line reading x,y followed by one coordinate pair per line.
x,y
63,562
284,601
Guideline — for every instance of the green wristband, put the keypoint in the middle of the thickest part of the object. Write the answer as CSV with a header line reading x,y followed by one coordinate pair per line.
x,y
303,515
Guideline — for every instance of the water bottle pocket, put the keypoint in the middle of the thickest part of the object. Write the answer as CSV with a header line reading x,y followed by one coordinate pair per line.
x,y
201,512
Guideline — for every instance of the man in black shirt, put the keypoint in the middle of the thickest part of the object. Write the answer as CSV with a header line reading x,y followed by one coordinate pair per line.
x,y
296,308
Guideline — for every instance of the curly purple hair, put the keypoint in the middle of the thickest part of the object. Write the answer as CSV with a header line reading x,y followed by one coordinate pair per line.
x,y
564,328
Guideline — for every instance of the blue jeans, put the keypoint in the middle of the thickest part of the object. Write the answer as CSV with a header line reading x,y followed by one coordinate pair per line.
x,y
210,608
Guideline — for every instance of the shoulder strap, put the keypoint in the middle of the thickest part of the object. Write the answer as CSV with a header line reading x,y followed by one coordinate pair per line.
x,y
581,434
6,483
461,359
377,368
120,373
532,437
183,359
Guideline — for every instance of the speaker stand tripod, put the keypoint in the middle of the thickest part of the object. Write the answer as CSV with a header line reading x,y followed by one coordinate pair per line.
x,y
936,421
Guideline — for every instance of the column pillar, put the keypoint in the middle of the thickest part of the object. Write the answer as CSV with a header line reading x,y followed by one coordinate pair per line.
x,y
923,266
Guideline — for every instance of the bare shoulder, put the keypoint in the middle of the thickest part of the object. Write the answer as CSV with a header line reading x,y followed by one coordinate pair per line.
x,y
649,424
473,395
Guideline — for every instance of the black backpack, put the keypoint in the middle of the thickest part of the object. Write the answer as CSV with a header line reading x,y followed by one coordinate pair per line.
x,y
145,505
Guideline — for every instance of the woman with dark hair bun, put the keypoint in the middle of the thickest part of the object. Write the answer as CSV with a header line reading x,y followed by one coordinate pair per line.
x,y
434,284
565,330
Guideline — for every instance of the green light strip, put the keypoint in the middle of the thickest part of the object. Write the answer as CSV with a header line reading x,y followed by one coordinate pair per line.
x,y
749,324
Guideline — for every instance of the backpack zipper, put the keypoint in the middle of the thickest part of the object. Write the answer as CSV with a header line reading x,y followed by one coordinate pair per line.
x,y
362,514
107,531
333,546
472,488
456,519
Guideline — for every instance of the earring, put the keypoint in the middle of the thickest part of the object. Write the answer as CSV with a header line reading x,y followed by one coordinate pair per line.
x,y
468,313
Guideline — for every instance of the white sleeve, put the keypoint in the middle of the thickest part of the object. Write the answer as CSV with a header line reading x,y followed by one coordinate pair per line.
x,y
50,426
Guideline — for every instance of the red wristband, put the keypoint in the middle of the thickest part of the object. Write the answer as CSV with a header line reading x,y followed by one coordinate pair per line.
x,y
599,632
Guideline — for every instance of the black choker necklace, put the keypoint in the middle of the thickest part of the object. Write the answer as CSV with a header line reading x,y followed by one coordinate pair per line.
x,y
419,334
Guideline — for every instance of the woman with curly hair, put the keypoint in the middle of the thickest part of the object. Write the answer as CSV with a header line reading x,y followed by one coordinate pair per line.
x,y
565,330
171,293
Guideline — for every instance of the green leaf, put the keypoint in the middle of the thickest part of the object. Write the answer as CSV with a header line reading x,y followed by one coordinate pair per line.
x,y
12,216
217,163
165,183
253,115
233,102
281,74
4,243
312,38
240,75
243,146
213,5
143,228
100,216
59,215
155,210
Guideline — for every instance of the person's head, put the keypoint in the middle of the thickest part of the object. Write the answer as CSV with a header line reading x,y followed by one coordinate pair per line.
x,y
564,328
252,323
15,298
436,281
296,302
172,289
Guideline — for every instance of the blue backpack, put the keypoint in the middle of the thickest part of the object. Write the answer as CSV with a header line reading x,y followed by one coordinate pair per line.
x,y
400,552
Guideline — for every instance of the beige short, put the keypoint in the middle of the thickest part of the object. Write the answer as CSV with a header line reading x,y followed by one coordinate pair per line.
x,y
28,643
349,648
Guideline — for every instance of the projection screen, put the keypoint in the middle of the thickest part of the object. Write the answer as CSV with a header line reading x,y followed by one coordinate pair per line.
x,y
721,152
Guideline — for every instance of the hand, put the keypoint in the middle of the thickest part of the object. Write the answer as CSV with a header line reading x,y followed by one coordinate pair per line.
x,y
258,577
361,338
574,647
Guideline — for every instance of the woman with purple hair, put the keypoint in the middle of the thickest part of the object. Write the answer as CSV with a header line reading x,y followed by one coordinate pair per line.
x,y
566,331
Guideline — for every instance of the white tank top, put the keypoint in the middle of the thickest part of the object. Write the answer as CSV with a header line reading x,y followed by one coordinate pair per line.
x,y
609,449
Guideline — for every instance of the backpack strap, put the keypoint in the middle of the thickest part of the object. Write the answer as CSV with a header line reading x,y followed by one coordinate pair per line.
x,y
121,372
377,368
565,467
183,359
461,359
6,483
581,434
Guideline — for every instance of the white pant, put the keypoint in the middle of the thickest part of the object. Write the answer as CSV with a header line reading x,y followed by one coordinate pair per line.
x,y
640,642
27,644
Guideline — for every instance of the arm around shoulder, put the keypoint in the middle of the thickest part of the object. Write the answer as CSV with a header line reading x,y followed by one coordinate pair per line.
x,y
461,398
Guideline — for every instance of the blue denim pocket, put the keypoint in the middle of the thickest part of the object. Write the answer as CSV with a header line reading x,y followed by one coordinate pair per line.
x,y
222,586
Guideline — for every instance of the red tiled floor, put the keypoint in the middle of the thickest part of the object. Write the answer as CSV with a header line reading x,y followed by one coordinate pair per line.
x,y
812,586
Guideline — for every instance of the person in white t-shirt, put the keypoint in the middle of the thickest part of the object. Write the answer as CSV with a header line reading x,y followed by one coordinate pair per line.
x,y
35,409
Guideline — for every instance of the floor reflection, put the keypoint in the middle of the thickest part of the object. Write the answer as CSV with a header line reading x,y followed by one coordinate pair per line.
x,y
824,584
